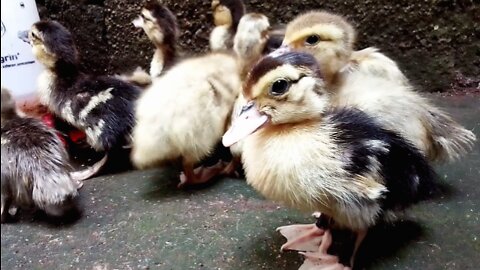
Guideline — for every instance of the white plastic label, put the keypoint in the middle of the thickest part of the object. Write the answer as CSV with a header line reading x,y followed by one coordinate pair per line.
x,y
19,68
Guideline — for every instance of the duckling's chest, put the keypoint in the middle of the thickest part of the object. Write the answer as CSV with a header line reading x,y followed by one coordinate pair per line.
x,y
296,168
45,86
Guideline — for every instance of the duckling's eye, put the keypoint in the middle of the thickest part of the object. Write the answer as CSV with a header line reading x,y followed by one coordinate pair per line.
x,y
279,87
312,40
34,36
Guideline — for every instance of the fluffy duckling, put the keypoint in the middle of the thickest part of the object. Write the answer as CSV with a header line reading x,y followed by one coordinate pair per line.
x,y
250,43
184,113
35,170
250,40
161,27
371,81
102,107
226,16
340,161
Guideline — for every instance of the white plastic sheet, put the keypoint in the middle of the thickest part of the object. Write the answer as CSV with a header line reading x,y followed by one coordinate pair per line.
x,y
19,68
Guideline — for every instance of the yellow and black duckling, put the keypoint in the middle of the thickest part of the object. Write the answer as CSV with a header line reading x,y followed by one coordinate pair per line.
x,y
184,113
160,25
370,81
226,16
35,169
100,106
338,161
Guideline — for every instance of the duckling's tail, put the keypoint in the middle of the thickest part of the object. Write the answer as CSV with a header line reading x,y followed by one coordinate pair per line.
x,y
450,140
138,77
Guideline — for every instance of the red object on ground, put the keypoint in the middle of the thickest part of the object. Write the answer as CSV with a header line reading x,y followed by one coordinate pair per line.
x,y
76,135
48,120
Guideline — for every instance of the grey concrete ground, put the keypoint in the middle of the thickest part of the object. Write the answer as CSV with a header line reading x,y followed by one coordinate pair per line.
x,y
140,220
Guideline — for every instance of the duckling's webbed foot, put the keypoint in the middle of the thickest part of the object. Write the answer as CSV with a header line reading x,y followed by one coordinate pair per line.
x,y
305,237
320,259
79,176
200,175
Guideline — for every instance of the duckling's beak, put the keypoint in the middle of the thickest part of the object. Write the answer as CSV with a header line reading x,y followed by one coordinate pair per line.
x,y
23,35
138,22
249,120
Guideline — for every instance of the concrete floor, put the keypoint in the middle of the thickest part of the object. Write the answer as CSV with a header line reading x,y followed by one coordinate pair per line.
x,y
140,220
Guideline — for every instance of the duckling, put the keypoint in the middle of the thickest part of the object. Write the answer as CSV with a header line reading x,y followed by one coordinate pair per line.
x,y
340,161
226,16
35,170
184,113
250,43
371,81
100,106
161,27
250,40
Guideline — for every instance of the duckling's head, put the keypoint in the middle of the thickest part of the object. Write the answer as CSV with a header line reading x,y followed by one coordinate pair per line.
x,y
158,22
285,87
8,105
52,43
329,37
252,35
227,12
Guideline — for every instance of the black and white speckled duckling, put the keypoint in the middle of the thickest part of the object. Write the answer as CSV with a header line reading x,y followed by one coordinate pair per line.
x,y
102,107
35,169
340,161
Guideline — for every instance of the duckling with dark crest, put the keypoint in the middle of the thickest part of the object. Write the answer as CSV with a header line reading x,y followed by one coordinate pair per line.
x,y
226,16
160,25
371,81
100,106
35,169
301,152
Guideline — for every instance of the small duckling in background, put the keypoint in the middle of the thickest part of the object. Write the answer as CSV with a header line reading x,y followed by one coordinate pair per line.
x,y
35,170
100,106
160,25
371,81
250,43
184,113
226,16
338,161
250,40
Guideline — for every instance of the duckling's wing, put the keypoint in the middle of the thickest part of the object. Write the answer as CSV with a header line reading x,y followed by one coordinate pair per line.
x,y
383,155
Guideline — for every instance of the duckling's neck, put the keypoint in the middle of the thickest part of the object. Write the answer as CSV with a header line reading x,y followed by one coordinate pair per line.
x,y
66,70
163,58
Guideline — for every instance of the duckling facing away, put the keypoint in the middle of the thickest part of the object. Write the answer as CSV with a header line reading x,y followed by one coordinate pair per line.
x,y
226,16
371,81
102,107
250,43
339,161
184,113
161,27
35,170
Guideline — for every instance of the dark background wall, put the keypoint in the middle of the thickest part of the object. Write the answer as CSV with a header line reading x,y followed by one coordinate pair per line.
x,y
432,40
